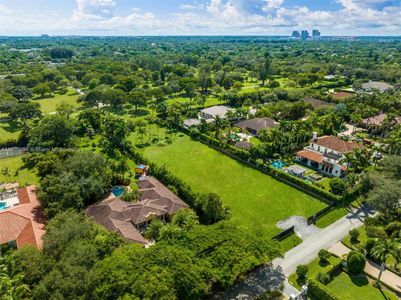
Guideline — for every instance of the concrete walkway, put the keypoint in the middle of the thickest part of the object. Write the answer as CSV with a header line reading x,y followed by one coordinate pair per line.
x,y
323,239
371,268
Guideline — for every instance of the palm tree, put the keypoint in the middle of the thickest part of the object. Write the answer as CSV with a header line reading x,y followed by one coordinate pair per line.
x,y
169,231
396,253
185,218
381,251
153,230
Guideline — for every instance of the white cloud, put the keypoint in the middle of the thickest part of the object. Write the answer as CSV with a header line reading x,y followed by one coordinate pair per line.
x,y
4,10
213,17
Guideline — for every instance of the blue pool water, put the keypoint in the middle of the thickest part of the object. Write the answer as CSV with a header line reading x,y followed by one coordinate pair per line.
x,y
2,205
117,190
278,164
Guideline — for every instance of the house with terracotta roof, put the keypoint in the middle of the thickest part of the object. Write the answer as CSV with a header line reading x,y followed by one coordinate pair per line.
x,y
325,154
130,220
22,220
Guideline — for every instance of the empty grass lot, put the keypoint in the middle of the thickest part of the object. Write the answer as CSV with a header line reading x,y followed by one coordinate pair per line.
x,y
255,199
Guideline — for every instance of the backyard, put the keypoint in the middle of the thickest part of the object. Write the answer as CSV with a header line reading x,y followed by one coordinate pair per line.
x,y
255,199
12,170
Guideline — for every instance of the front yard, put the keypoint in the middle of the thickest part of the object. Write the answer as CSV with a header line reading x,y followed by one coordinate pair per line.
x,y
255,199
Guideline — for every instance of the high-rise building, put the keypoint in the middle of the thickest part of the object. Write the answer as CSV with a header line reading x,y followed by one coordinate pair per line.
x,y
316,34
305,34
295,34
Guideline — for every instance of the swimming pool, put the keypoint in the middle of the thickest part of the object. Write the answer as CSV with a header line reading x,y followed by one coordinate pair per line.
x,y
117,191
278,164
3,205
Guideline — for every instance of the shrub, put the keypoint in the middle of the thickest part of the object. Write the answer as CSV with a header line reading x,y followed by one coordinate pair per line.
x,y
370,243
354,234
318,291
375,232
392,227
323,278
302,270
324,255
337,186
356,262
373,221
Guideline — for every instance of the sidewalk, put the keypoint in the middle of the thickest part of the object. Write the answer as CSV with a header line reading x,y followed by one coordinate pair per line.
x,y
371,268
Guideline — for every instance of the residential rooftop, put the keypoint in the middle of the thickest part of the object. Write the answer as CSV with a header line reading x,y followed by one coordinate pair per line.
x,y
337,144
127,219
257,124
25,222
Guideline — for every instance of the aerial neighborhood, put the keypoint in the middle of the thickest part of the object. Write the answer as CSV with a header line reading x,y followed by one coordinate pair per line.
x,y
200,167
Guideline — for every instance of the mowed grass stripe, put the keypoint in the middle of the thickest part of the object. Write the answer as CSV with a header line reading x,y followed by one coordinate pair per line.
x,y
255,199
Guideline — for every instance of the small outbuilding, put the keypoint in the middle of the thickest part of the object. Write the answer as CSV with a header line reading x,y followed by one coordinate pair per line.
x,y
141,170
297,171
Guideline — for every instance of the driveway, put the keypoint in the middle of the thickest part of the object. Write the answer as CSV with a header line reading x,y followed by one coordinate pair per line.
x,y
322,239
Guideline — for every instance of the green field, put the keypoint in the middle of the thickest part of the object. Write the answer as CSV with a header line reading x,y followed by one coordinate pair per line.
x,y
357,287
49,105
255,199
12,170
8,131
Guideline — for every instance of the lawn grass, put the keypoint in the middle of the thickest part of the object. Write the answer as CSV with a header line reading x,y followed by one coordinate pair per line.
x,y
255,199
12,170
49,105
290,242
332,216
357,287
8,131
314,267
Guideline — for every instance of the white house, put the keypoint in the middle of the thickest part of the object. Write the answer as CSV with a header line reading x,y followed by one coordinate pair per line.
x,y
325,154
211,112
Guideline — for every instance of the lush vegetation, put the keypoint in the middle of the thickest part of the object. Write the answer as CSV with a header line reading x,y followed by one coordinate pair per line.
x,y
88,109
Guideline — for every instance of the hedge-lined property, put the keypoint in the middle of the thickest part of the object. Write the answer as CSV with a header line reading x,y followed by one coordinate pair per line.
x,y
319,291
255,199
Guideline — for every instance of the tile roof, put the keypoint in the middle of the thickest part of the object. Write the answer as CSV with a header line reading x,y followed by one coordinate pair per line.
x,y
257,124
219,110
311,155
342,95
378,120
337,144
376,85
316,103
120,216
24,223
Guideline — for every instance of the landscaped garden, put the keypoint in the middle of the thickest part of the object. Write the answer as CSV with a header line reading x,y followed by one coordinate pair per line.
x,y
255,199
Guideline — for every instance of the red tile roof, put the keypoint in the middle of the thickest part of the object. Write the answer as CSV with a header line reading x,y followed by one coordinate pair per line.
x,y
311,155
24,223
337,144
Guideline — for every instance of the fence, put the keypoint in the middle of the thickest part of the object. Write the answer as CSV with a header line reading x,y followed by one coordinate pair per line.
x,y
13,151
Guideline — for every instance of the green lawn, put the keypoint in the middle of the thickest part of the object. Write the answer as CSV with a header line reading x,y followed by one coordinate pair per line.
x,y
255,199
290,242
314,267
12,170
357,287
8,131
49,105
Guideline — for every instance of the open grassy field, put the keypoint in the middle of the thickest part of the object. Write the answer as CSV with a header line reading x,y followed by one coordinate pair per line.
x,y
358,287
255,199
12,170
49,105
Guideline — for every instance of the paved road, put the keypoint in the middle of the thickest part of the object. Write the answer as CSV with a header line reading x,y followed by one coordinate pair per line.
x,y
323,239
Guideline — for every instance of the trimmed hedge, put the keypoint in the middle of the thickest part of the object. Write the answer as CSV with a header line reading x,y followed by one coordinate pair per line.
x,y
319,291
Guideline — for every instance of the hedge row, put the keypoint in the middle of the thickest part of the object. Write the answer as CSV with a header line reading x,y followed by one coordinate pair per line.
x,y
319,291
245,157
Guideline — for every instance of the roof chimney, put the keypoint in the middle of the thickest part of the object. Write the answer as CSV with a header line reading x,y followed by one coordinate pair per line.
x,y
314,136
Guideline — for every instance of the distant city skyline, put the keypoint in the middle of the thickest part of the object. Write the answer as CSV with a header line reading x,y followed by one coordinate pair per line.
x,y
200,17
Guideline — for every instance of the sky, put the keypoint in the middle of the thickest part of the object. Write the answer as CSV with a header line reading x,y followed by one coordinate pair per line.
x,y
199,17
